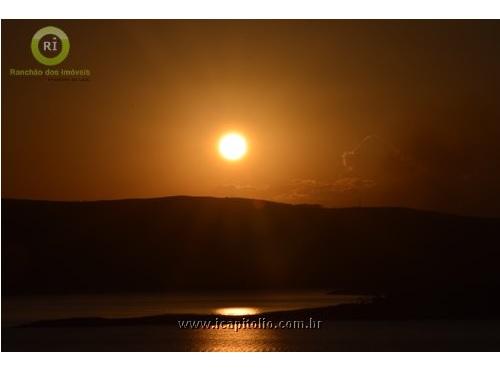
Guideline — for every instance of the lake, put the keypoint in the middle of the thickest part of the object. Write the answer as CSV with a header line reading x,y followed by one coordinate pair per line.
x,y
430,335
20,310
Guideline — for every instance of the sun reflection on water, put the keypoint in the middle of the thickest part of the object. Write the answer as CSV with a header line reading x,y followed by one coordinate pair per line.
x,y
228,340
237,311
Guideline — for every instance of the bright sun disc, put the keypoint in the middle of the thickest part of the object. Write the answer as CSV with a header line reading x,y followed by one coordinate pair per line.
x,y
232,146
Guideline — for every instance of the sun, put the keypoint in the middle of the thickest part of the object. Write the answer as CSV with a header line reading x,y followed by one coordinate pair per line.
x,y
232,146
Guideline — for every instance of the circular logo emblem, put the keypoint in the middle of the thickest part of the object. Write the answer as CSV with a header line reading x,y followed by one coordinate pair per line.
x,y
50,45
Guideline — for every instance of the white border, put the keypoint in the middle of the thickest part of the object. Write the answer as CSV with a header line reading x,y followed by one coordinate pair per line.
x,y
275,9
251,363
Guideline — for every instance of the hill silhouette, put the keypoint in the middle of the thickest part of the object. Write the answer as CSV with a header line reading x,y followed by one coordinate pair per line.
x,y
200,243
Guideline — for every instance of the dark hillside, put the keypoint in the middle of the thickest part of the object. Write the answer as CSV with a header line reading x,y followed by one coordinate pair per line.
x,y
204,243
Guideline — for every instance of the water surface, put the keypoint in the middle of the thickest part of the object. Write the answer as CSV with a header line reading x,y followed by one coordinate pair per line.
x,y
23,309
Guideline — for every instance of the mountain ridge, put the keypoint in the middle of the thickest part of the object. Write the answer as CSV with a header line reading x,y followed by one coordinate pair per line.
x,y
265,201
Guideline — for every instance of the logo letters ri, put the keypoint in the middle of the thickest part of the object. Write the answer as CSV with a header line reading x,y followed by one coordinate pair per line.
x,y
50,45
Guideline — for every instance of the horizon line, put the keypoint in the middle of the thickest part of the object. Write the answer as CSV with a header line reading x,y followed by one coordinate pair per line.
x,y
311,205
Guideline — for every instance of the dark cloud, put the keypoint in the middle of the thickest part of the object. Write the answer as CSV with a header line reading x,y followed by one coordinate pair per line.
x,y
375,156
376,172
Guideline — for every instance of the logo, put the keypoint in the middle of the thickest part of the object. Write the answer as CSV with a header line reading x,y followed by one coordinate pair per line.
x,y
50,46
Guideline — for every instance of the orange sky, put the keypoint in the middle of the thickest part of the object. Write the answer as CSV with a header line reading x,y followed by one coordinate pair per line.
x,y
339,113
